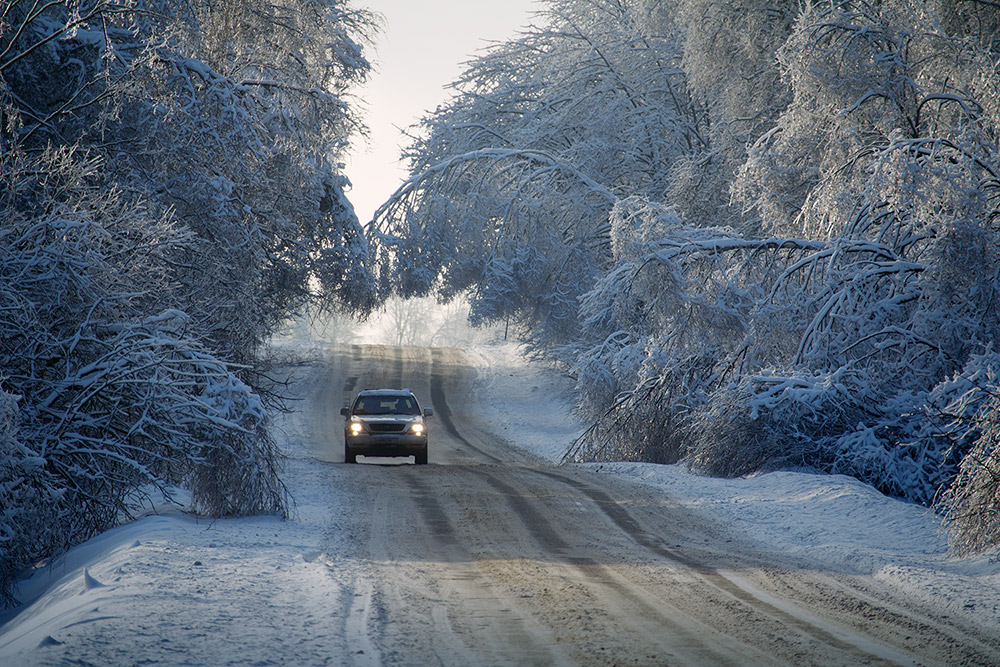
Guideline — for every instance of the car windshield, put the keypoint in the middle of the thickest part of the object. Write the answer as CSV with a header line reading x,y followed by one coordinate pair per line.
x,y
385,405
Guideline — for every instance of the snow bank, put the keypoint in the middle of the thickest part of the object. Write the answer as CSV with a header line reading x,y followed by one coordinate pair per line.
x,y
66,591
174,588
530,404
841,522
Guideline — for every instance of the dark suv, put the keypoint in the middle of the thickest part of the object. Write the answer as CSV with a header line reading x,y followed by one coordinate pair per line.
x,y
385,422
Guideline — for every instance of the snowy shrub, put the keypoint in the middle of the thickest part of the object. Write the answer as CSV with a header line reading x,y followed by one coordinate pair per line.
x,y
972,501
111,404
967,411
728,439
650,420
29,495
769,420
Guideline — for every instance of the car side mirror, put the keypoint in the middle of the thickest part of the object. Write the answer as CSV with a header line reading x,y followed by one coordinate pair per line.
x,y
345,411
428,412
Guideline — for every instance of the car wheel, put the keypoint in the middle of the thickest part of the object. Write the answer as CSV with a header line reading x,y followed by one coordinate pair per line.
x,y
421,458
349,456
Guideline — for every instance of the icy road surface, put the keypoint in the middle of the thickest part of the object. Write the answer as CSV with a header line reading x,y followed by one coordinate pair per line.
x,y
487,556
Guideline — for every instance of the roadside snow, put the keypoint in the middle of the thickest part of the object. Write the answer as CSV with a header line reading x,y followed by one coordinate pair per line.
x,y
836,520
175,589
530,404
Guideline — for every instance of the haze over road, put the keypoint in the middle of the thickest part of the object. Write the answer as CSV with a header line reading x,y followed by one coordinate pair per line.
x,y
488,556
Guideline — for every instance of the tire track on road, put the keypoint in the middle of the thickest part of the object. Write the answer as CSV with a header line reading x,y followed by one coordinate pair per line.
x,y
507,629
546,536
544,533
784,612
491,558
688,643
441,408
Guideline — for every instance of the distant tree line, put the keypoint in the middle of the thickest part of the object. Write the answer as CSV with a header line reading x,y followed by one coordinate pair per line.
x,y
170,193
762,233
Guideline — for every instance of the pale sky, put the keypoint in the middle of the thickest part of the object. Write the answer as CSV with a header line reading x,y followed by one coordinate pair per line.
x,y
420,52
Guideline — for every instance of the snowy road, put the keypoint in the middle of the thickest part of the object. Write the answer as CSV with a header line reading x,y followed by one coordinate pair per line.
x,y
488,556
491,556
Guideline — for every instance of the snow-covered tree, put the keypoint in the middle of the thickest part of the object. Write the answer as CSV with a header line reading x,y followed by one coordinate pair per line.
x,y
171,193
514,177
844,337
235,114
763,232
731,66
108,394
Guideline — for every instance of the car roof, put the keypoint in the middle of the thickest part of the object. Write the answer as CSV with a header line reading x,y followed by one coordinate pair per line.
x,y
385,392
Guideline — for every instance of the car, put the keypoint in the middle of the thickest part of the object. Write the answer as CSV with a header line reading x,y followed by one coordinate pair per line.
x,y
385,422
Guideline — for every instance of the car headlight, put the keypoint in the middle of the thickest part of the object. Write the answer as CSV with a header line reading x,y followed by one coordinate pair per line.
x,y
417,428
356,428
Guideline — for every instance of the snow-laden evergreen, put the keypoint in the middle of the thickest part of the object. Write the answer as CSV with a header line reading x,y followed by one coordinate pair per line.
x,y
763,237
171,193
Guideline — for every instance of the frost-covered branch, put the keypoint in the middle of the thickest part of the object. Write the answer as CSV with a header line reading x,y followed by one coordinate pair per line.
x,y
512,181
170,195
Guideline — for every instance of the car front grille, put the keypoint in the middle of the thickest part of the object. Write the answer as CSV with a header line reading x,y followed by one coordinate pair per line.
x,y
386,428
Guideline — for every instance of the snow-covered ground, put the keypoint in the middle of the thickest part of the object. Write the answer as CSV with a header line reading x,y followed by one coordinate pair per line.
x,y
833,519
188,587
174,589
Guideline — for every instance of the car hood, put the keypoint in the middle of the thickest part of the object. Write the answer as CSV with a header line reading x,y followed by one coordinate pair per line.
x,y
387,419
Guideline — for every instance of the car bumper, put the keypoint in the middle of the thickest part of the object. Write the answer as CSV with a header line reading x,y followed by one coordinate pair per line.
x,y
386,445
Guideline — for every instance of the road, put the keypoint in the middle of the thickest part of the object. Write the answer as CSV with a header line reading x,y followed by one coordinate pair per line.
x,y
488,556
